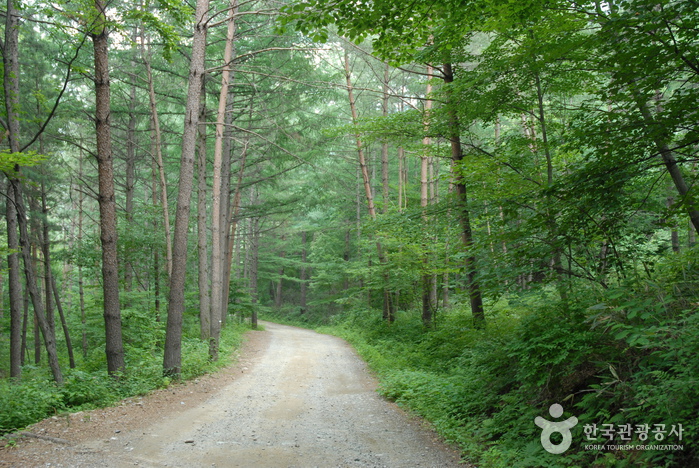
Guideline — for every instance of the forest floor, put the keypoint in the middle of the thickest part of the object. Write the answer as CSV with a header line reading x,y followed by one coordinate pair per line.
x,y
294,398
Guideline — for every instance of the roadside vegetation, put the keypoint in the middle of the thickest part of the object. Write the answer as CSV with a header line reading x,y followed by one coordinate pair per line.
x,y
626,355
88,386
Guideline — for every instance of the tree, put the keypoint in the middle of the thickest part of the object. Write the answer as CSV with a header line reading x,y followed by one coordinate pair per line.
x,y
107,204
11,87
172,360
219,228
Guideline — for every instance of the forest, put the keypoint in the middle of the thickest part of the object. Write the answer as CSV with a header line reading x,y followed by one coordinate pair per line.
x,y
493,201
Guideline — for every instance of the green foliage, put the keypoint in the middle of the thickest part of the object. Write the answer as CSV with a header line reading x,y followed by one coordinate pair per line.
x,y
625,355
26,403
9,160
36,397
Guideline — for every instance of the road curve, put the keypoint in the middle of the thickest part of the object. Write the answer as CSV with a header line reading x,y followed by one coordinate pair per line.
x,y
305,400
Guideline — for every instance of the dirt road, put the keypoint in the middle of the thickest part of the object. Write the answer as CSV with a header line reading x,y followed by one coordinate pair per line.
x,y
295,399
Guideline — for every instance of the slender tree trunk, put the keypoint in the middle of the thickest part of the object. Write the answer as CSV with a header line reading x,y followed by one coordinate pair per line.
x,y
234,209
31,281
107,204
172,359
427,303
226,173
384,145
11,89
50,281
304,271
15,288
202,231
218,309
156,250
25,324
457,156
669,161
388,312
254,267
81,289
346,257
360,146
280,282
64,323
158,154
130,179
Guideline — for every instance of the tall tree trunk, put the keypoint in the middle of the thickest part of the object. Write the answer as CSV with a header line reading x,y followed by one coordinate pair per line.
x,y
234,209
280,282
130,178
158,154
226,173
202,225
11,88
254,265
64,323
457,156
156,250
25,324
81,289
384,145
172,359
16,213
388,312
218,309
51,288
15,289
31,281
107,204
427,300
304,271
669,161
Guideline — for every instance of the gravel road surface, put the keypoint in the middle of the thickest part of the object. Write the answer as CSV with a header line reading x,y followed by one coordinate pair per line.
x,y
296,398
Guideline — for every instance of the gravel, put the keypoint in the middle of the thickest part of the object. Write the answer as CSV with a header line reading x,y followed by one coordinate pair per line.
x,y
295,399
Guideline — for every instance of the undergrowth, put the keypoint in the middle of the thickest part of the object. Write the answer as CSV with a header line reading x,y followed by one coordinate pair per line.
x,y
617,357
37,396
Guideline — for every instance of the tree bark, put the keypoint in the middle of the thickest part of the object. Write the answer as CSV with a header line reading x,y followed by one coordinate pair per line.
x,y
202,231
130,178
280,282
15,289
30,276
304,272
388,312
172,359
11,89
81,289
107,204
669,161
50,281
218,309
457,156
158,154
156,250
234,209
384,145
427,300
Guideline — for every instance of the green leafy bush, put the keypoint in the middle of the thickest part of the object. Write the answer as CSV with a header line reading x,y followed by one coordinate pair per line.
x,y
28,402
626,355
87,389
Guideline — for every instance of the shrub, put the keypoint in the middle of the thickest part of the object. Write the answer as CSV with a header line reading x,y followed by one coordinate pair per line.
x,y
24,403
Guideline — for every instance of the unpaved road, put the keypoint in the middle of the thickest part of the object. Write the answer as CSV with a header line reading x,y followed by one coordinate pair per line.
x,y
295,399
